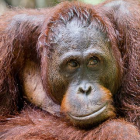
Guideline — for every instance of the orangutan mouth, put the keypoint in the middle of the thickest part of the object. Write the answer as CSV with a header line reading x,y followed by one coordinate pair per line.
x,y
89,116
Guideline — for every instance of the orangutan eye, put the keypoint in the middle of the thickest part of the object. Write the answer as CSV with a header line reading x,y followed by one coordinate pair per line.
x,y
73,64
93,61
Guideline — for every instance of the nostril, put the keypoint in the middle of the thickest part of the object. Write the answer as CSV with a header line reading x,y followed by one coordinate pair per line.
x,y
85,90
88,90
81,90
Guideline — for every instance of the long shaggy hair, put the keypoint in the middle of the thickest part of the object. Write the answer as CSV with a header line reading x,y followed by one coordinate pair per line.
x,y
23,34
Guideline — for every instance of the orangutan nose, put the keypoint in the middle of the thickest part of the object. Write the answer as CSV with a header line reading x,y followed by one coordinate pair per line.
x,y
85,88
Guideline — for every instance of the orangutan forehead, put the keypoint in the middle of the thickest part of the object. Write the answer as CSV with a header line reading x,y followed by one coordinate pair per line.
x,y
76,34
75,28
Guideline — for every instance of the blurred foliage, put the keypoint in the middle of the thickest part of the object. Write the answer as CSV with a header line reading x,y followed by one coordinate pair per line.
x,y
5,4
33,3
43,3
92,1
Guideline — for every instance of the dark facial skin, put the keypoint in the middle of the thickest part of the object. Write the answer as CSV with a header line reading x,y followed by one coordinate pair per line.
x,y
83,73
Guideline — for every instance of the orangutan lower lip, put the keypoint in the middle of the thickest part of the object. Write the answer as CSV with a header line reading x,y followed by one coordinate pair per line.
x,y
93,115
